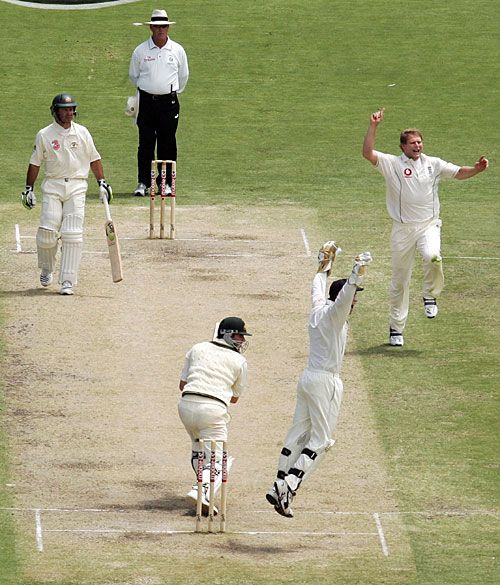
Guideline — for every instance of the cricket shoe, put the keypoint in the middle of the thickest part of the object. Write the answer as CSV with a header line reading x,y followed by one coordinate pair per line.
x,y
272,496
396,338
45,278
140,190
66,288
284,497
430,308
168,189
192,496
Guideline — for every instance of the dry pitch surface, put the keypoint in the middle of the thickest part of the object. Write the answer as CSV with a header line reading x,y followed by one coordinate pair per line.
x,y
99,459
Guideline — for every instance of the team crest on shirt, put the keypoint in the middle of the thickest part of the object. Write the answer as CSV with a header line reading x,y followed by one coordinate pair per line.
x,y
408,173
74,144
56,145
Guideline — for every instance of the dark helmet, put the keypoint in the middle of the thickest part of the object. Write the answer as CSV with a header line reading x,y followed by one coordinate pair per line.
x,y
228,327
337,286
232,325
62,100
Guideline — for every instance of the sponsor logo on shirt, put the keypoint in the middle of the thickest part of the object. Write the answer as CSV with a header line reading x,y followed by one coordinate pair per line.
x,y
56,145
408,173
73,144
149,58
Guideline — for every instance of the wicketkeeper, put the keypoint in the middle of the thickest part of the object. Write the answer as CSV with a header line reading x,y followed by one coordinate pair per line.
x,y
319,389
213,377
67,150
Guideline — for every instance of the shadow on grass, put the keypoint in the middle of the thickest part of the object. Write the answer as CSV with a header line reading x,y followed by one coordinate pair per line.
x,y
388,350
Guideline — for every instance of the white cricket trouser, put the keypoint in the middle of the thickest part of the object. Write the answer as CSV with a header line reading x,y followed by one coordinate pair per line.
x,y
205,419
63,212
319,396
405,239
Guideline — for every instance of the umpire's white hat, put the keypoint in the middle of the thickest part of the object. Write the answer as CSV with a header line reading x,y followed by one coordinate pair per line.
x,y
159,17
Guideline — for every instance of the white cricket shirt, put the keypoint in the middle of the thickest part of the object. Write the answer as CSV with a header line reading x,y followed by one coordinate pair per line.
x,y
328,325
159,71
67,153
212,370
412,185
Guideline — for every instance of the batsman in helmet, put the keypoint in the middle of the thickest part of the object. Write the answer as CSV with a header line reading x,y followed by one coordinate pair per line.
x,y
213,377
68,152
319,389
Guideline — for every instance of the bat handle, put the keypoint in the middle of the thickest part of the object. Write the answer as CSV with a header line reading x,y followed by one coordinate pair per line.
x,y
106,208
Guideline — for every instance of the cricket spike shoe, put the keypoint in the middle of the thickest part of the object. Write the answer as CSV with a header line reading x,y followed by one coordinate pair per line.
x,y
140,190
45,278
396,338
430,308
284,498
66,288
192,496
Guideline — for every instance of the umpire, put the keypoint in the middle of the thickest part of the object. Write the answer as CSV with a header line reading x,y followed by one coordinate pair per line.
x,y
159,69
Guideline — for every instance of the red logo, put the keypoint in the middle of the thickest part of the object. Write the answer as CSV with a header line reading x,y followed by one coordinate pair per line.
x,y
407,173
56,145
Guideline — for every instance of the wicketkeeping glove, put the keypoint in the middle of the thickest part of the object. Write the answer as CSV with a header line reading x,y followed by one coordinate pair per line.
x,y
326,256
358,270
105,190
28,197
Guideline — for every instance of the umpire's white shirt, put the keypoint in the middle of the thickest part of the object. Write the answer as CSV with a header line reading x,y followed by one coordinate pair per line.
x,y
412,185
328,325
159,71
67,153
214,371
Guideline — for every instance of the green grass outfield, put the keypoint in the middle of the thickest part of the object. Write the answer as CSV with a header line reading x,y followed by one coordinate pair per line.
x,y
275,110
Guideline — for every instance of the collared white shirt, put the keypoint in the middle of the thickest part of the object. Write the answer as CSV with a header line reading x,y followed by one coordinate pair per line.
x,y
159,71
412,185
212,370
67,153
328,325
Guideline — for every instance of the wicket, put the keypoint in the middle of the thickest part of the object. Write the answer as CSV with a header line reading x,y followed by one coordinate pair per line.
x,y
223,489
163,197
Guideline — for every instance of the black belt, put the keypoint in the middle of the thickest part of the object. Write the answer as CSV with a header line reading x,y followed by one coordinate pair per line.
x,y
163,96
204,396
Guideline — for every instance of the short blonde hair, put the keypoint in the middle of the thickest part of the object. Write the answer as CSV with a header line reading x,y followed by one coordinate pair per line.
x,y
403,137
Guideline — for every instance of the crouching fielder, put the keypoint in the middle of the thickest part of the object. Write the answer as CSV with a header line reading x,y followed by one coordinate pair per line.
x,y
68,152
319,389
214,375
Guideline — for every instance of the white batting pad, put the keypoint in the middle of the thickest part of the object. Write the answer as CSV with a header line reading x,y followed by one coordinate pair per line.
x,y
72,245
46,244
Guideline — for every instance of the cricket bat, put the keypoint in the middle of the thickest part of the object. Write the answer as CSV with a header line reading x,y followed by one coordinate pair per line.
x,y
113,245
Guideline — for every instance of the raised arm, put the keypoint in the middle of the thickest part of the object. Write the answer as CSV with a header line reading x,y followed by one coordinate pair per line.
x,y
369,141
468,172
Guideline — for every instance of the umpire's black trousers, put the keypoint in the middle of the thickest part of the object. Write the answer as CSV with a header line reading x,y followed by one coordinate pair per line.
x,y
157,122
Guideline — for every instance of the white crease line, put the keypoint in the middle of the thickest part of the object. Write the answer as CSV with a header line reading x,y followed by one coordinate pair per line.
x,y
38,531
246,532
18,238
383,542
463,513
306,243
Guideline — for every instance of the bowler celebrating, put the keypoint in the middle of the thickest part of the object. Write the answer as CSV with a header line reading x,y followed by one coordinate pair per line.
x,y
412,180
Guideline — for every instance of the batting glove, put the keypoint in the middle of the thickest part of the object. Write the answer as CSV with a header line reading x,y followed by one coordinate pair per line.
x,y
28,197
358,270
105,190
